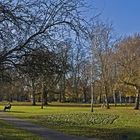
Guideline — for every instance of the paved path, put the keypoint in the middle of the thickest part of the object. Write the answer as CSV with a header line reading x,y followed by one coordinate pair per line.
x,y
39,130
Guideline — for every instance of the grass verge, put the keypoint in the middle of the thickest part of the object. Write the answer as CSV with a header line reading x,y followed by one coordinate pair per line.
x,y
8,132
113,124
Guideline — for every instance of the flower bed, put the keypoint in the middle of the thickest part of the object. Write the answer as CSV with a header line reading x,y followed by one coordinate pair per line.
x,y
78,119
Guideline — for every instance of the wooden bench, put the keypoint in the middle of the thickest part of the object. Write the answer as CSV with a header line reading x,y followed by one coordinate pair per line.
x,y
7,107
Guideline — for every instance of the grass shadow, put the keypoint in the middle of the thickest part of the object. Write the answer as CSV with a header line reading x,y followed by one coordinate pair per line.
x,y
9,111
16,111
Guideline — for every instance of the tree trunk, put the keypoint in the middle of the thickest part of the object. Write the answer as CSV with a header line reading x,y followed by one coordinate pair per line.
x,y
85,95
92,96
106,98
75,91
75,87
60,97
63,96
125,100
107,103
120,95
46,97
100,97
137,99
42,96
114,97
62,89
129,99
33,93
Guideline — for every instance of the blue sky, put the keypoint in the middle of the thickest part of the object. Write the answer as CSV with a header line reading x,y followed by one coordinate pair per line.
x,y
123,14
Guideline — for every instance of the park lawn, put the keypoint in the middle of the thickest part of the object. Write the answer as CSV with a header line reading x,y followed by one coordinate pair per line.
x,y
112,124
8,132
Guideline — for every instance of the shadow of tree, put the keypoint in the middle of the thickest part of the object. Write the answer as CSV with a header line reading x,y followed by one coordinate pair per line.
x,y
9,111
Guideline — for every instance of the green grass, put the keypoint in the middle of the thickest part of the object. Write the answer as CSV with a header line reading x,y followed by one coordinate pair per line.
x,y
8,132
112,124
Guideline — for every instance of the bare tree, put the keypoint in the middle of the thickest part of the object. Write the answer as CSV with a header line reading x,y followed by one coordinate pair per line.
x,y
26,26
26,23
101,45
85,79
129,63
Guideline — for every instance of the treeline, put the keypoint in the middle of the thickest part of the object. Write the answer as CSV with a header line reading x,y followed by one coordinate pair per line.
x,y
50,52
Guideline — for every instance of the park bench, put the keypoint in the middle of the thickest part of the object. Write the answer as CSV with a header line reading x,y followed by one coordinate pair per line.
x,y
7,107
